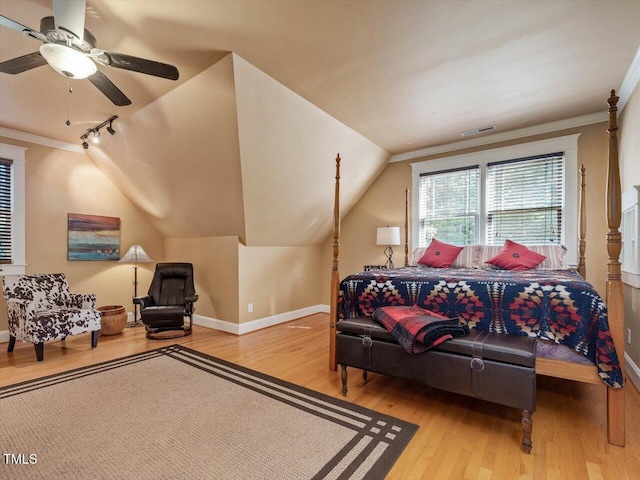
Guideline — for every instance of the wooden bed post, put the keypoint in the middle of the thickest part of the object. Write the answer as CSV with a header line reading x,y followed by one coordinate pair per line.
x,y
335,272
406,227
582,225
615,301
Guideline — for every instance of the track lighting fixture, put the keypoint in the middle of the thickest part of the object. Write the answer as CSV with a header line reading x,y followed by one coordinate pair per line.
x,y
96,132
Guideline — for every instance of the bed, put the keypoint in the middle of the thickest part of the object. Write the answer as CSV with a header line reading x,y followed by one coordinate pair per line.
x,y
584,333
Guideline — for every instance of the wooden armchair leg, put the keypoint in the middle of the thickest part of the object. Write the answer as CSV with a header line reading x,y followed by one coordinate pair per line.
x,y
94,338
12,343
39,351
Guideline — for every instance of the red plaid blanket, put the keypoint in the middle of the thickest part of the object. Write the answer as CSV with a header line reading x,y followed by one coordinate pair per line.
x,y
418,329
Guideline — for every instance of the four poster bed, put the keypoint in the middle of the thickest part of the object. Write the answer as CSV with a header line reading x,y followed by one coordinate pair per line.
x,y
556,305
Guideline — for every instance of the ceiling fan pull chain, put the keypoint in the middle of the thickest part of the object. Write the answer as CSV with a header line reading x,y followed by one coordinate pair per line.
x,y
69,92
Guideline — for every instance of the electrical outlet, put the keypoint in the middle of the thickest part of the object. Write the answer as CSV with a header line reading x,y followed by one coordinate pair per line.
x,y
628,336
250,308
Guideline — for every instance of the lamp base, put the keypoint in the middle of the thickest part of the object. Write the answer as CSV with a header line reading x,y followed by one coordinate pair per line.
x,y
389,253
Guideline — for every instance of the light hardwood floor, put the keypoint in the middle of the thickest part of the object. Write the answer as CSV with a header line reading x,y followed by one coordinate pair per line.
x,y
458,438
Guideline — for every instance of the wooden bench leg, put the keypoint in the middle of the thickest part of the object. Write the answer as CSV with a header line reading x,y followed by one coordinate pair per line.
x,y
364,375
527,426
343,375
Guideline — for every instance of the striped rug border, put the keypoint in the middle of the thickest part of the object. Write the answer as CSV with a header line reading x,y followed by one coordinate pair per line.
x,y
378,441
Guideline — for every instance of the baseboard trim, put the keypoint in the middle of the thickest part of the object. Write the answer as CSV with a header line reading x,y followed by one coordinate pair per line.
x,y
252,326
4,336
632,370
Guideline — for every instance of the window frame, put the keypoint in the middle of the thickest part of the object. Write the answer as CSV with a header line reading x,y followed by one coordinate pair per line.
x,y
567,144
18,254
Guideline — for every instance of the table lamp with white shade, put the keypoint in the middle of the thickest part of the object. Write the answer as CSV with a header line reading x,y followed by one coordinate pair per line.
x,y
388,236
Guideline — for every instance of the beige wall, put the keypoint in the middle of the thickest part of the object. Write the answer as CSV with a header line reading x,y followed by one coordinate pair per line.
x,y
278,280
215,264
59,182
383,204
630,171
288,147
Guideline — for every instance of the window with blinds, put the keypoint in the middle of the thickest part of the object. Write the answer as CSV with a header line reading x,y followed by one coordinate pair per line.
x,y
5,211
525,200
448,206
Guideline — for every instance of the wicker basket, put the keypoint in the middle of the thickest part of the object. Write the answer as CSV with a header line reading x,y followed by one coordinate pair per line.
x,y
114,319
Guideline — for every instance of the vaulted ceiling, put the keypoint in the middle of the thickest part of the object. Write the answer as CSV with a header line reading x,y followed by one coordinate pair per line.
x,y
403,74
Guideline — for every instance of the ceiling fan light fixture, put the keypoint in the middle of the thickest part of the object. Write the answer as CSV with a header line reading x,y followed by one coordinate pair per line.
x,y
67,61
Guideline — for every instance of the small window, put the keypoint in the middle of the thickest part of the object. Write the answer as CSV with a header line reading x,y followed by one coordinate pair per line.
x,y
5,212
448,207
524,200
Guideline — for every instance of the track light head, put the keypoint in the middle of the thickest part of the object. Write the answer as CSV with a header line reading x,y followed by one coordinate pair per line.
x,y
96,132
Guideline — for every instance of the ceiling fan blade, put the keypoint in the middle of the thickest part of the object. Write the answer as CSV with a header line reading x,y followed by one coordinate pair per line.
x,y
141,65
69,15
18,27
23,63
106,86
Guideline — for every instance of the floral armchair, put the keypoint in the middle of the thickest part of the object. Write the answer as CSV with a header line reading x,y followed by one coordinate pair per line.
x,y
41,308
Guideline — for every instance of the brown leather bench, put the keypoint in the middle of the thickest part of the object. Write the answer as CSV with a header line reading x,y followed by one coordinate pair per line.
x,y
488,366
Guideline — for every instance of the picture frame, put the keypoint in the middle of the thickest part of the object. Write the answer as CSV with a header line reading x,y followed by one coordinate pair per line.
x,y
93,237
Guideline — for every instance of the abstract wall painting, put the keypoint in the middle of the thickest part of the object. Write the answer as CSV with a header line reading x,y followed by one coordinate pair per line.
x,y
93,237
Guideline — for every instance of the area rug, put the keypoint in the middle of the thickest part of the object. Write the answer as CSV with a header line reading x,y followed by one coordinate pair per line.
x,y
175,413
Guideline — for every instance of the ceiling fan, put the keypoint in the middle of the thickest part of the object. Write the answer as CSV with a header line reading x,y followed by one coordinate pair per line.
x,y
70,49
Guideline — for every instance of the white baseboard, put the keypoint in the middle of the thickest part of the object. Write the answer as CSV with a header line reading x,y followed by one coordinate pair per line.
x,y
632,370
230,327
239,329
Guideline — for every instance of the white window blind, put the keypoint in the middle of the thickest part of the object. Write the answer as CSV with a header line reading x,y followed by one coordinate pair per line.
x,y
5,211
448,206
525,200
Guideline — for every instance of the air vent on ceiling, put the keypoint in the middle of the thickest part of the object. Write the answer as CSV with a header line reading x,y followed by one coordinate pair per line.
x,y
478,130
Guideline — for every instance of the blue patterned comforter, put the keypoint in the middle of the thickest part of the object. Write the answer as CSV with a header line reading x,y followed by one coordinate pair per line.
x,y
558,305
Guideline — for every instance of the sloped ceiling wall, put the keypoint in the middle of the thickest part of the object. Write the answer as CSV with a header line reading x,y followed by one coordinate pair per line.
x,y
232,152
287,151
178,158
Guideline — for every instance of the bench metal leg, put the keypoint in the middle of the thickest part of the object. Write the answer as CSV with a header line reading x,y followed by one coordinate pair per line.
x,y
527,426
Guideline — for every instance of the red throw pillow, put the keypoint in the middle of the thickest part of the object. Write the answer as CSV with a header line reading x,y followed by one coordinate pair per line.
x,y
439,254
514,256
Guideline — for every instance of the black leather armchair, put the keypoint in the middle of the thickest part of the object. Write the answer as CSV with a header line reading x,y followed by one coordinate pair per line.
x,y
170,299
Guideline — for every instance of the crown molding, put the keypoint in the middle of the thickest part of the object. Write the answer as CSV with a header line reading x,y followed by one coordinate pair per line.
x,y
580,121
38,140
630,81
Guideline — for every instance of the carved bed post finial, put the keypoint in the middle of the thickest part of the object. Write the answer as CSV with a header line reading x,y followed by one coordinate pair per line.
x,y
582,225
615,300
335,272
406,227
